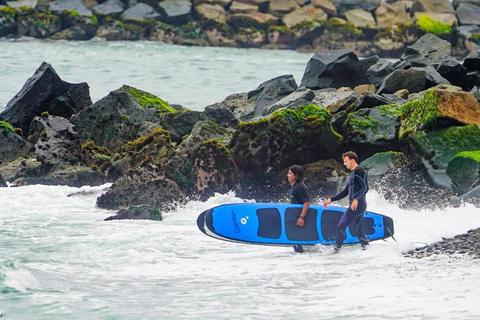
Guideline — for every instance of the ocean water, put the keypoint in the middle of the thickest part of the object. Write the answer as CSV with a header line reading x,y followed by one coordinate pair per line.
x,y
194,77
60,260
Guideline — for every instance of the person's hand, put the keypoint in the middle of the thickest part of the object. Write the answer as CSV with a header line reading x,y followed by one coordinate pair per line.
x,y
327,202
354,205
300,222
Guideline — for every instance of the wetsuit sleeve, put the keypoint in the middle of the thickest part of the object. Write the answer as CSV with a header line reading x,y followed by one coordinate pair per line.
x,y
341,195
360,185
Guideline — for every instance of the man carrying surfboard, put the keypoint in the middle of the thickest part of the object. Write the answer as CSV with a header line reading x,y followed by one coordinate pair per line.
x,y
356,189
298,195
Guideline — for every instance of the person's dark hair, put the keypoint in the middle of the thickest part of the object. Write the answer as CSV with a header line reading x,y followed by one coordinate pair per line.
x,y
350,155
298,172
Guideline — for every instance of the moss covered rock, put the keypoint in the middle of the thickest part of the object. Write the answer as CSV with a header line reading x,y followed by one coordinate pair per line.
x,y
39,25
287,137
439,108
464,170
8,25
204,131
12,145
143,212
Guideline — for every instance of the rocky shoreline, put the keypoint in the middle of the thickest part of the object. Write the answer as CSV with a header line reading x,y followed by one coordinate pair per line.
x,y
367,27
415,124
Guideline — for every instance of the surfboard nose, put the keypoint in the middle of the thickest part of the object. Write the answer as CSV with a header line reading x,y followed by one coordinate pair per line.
x,y
201,221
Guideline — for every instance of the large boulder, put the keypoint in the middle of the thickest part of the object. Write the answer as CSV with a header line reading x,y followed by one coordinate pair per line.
x,y
434,6
45,92
431,47
59,6
140,11
360,18
146,184
221,115
298,98
124,115
204,131
176,11
261,148
240,105
22,167
211,13
373,130
142,212
182,121
468,13
109,8
436,148
390,14
472,61
270,92
438,108
55,141
304,14
345,5
12,145
413,79
464,170
333,69
454,72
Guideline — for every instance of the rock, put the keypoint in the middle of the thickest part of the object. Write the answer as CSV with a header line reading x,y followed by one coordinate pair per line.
x,y
298,98
124,115
397,13
432,6
142,212
281,7
12,144
270,92
464,170
59,6
211,13
360,18
468,13
22,3
21,167
176,11
345,5
403,93
255,20
431,47
333,69
8,25
364,88
369,131
476,93
324,177
55,141
456,3
204,131
74,33
250,38
439,108
368,100
73,176
180,123
436,148
472,61
219,38
454,72
221,115
143,185
239,7
240,105
413,79
223,3
45,91
109,8
445,18
38,25
343,105
3,184
214,169
473,79
280,38
328,99
140,11
326,6
377,72
303,14
263,147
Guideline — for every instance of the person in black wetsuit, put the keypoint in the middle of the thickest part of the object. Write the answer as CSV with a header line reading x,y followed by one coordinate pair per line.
x,y
356,189
298,195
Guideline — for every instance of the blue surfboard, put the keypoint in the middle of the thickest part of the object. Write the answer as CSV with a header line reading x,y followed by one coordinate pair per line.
x,y
275,224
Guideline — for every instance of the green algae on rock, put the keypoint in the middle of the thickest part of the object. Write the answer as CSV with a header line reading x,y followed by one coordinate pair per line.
x,y
464,170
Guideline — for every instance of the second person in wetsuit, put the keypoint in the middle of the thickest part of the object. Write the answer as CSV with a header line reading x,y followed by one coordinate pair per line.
x,y
298,195
356,189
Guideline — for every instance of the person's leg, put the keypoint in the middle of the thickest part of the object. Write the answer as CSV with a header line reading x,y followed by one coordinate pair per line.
x,y
347,218
362,207
298,248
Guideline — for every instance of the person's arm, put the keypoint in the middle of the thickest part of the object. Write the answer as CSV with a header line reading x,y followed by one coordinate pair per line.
x,y
303,196
339,196
301,218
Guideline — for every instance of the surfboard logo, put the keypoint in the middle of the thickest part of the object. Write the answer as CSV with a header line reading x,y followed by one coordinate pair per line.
x,y
235,223
244,220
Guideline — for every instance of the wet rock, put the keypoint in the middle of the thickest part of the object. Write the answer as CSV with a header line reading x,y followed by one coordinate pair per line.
x,y
59,6
472,61
38,25
124,115
181,122
298,98
142,212
431,47
369,100
146,184
12,145
324,178
464,170
343,104
333,69
21,168
55,141
204,131
473,79
377,72
8,25
240,105
110,8
140,11
454,72
45,92
176,12
413,80
270,92
221,115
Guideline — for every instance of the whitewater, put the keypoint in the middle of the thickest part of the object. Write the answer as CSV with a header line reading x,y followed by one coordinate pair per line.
x,y
60,260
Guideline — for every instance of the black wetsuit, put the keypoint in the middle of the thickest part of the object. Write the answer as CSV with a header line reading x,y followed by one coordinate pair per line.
x,y
356,188
299,195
